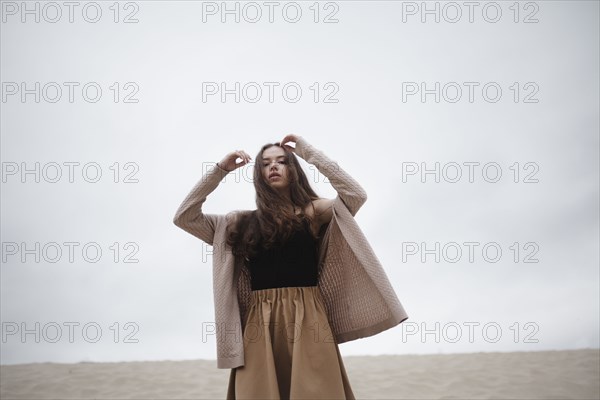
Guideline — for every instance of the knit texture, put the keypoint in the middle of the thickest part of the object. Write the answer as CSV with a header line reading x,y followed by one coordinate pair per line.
x,y
358,295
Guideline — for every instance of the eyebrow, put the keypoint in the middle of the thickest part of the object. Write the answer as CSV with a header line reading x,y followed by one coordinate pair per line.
x,y
275,157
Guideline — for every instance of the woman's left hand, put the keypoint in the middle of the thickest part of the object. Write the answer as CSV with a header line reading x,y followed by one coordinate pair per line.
x,y
289,138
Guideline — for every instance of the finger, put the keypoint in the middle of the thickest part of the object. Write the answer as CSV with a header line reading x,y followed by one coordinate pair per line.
x,y
289,148
239,154
247,157
289,138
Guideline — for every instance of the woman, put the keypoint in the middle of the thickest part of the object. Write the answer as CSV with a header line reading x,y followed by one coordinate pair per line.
x,y
301,286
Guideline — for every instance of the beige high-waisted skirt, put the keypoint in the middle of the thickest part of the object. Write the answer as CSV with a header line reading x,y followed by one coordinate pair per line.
x,y
289,350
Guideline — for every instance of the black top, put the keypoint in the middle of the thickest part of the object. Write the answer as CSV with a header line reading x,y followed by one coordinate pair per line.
x,y
293,263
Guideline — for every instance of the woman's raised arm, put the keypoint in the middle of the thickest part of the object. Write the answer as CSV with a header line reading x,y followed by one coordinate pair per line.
x,y
349,190
189,215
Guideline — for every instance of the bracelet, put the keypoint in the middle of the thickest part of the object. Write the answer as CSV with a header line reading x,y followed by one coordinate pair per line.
x,y
221,167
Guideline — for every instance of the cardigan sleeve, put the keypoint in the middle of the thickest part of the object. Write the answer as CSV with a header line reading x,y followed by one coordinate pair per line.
x,y
190,217
348,189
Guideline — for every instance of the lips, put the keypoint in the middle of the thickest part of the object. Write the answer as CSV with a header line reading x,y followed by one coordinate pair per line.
x,y
274,175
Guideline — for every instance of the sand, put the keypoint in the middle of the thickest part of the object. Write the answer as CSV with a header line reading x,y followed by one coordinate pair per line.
x,y
569,374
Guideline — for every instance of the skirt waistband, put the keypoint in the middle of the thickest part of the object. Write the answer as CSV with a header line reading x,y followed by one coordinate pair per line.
x,y
287,292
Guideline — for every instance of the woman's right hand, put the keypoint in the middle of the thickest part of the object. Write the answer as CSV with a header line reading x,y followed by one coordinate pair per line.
x,y
228,162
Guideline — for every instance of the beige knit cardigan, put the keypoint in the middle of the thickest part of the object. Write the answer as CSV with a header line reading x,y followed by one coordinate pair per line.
x,y
359,298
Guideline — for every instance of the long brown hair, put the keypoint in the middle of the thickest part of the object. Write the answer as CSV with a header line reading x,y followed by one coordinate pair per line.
x,y
273,221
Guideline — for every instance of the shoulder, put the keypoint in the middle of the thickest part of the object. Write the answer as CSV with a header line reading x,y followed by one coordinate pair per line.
x,y
323,210
237,215
322,204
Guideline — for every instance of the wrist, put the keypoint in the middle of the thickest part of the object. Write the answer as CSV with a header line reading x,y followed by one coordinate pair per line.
x,y
221,168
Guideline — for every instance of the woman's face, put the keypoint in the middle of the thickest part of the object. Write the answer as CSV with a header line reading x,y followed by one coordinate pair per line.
x,y
274,167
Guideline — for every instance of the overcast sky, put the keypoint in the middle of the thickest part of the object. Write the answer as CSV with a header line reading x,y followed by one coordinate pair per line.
x,y
518,94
